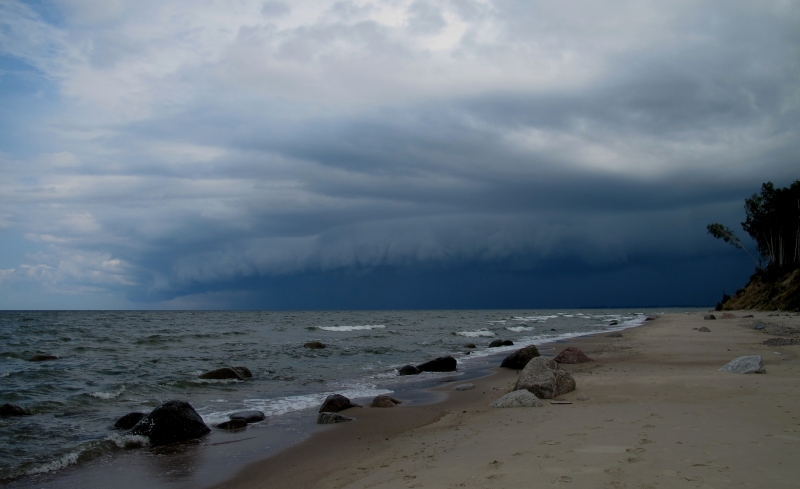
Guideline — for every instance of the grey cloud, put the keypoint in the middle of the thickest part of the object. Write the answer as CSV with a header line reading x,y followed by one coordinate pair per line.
x,y
425,18
275,9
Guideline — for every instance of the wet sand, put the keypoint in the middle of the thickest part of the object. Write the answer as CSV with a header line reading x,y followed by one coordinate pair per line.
x,y
659,414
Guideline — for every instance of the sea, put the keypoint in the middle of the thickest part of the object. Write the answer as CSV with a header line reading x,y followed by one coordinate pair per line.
x,y
114,362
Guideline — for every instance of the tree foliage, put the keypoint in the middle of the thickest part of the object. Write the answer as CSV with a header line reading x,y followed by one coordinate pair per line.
x,y
773,221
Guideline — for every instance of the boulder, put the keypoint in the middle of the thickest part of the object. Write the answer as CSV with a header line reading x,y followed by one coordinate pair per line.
x,y
385,401
615,334
613,323
315,345
335,403
709,316
496,343
650,318
520,358
727,315
129,421
238,373
248,416
470,345
42,358
759,326
7,410
171,422
543,377
520,398
464,387
571,354
408,370
751,364
233,424
331,418
441,364
703,329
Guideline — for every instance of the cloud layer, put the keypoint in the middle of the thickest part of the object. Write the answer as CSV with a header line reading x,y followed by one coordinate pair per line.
x,y
159,150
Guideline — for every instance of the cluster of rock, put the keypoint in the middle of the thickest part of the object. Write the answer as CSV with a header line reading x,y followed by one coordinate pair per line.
x,y
335,403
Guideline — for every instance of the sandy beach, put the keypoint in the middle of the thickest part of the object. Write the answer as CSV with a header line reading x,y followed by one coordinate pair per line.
x,y
658,414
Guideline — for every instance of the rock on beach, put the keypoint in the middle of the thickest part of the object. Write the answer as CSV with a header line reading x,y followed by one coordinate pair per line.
x,y
752,364
520,358
171,422
441,364
545,379
520,398
335,403
331,418
709,316
385,401
233,424
572,355
703,329
408,370
249,416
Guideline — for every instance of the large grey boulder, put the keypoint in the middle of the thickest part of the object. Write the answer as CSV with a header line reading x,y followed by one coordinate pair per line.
x,y
521,398
331,418
520,358
171,422
751,364
543,377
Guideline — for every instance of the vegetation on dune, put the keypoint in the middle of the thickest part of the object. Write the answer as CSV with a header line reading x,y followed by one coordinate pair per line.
x,y
773,221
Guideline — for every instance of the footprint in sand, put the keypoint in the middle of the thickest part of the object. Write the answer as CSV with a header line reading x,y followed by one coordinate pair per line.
x,y
635,450
644,441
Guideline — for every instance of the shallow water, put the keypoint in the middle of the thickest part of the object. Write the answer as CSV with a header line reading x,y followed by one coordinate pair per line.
x,y
111,363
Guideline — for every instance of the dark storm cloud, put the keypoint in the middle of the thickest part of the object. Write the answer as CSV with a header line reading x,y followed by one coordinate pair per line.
x,y
491,148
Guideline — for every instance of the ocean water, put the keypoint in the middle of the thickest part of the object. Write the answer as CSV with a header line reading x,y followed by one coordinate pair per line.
x,y
112,363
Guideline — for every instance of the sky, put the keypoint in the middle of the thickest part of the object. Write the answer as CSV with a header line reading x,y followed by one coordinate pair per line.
x,y
387,154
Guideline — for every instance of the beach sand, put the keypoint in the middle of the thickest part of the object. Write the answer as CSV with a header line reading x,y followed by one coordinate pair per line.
x,y
659,414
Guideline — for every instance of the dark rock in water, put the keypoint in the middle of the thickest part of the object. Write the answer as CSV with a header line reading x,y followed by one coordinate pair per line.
x,y
745,365
238,373
613,323
520,358
703,329
650,318
615,334
571,354
385,401
129,421
331,418
552,329
233,424
496,343
759,326
408,370
545,379
316,345
171,422
335,403
469,345
748,316
7,410
709,316
42,358
441,364
782,342
248,416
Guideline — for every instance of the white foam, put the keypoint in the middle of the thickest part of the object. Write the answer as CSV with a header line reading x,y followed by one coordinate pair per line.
x,y
498,321
128,441
519,329
365,327
58,464
481,333
108,395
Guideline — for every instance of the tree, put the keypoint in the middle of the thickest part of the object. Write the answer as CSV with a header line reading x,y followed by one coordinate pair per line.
x,y
726,234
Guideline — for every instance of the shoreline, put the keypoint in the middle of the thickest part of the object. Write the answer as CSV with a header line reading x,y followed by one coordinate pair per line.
x,y
642,377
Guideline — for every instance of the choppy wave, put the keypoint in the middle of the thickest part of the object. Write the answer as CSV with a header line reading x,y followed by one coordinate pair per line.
x,y
109,394
365,327
57,464
519,329
481,333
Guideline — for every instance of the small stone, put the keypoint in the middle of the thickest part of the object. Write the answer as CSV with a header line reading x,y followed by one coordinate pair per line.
x,y
249,416
7,410
759,326
385,401
464,387
469,345
315,345
520,398
709,316
234,424
408,370
331,418
752,364
703,329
